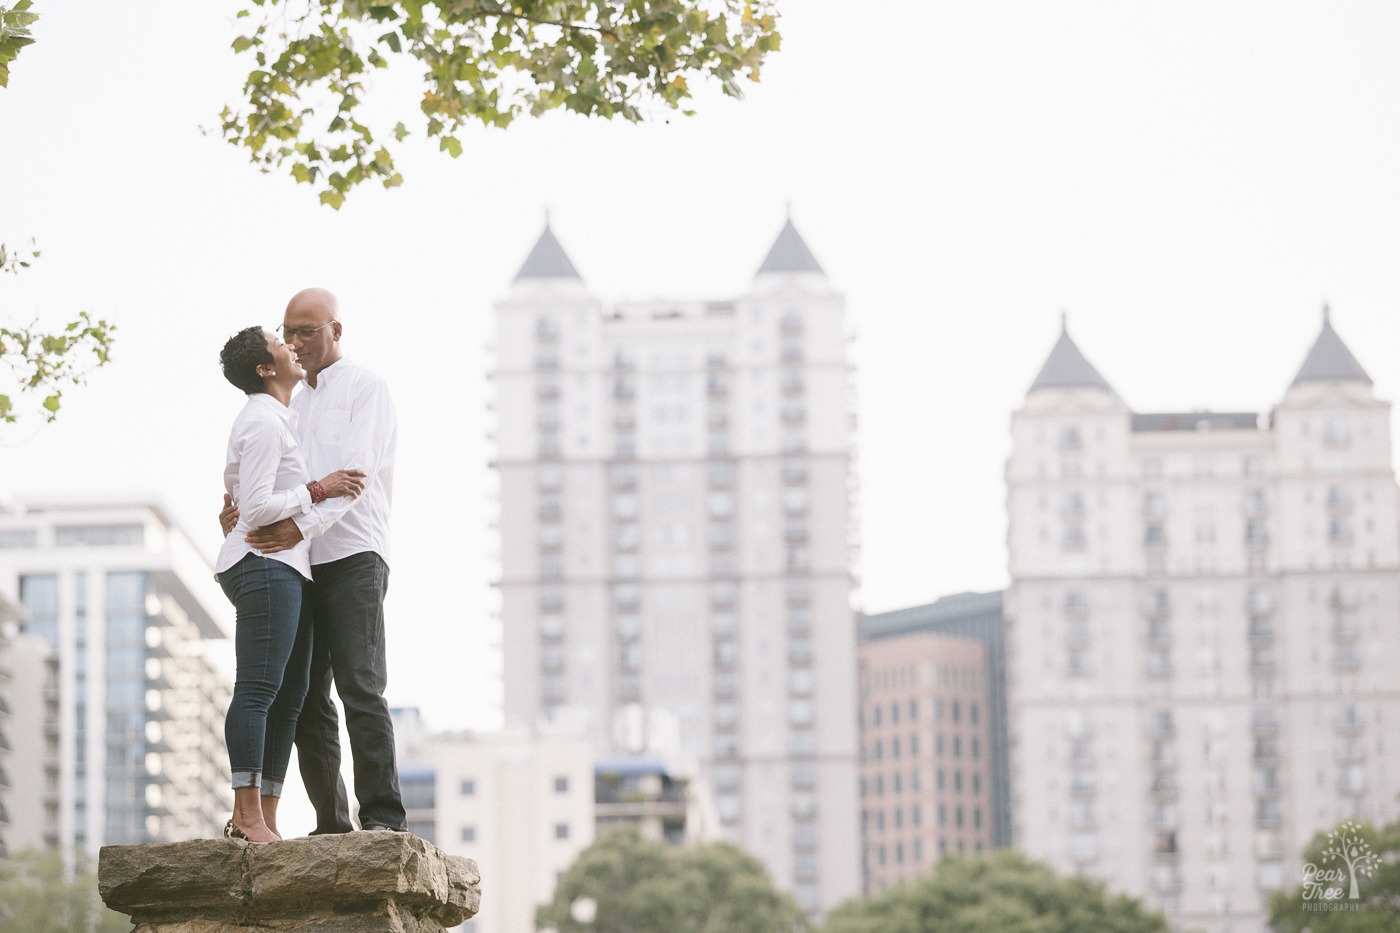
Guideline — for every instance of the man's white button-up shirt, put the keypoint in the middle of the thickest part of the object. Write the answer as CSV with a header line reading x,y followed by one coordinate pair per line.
x,y
347,423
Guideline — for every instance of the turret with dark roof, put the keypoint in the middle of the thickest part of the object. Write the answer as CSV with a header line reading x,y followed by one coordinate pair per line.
x,y
547,260
1329,360
1067,368
789,253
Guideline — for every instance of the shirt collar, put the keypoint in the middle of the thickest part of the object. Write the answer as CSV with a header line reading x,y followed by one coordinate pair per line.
x,y
262,398
332,372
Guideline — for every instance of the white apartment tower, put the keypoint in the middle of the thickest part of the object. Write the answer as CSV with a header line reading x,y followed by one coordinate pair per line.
x,y
1203,633
676,542
118,707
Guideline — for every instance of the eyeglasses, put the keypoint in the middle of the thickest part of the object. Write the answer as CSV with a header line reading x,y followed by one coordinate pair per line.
x,y
305,333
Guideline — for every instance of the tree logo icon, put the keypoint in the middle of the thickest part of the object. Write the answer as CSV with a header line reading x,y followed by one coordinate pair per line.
x,y
1351,858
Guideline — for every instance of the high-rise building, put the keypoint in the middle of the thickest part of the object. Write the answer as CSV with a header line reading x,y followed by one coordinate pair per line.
x,y
924,777
1202,637
126,708
518,801
676,542
976,616
10,696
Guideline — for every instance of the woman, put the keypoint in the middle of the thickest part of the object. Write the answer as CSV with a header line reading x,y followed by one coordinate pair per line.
x,y
268,482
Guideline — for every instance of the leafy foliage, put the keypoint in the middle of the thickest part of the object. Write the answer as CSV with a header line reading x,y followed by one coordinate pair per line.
x,y
486,61
1360,854
40,363
14,34
631,885
1001,892
37,897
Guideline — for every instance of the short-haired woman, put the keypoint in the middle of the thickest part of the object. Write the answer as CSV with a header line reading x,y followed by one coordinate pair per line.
x,y
268,481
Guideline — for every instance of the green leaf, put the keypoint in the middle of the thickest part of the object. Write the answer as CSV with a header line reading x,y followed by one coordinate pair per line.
x,y
51,403
605,58
333,198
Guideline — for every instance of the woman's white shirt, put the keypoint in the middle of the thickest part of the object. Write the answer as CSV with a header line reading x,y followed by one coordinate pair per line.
x,y
266,477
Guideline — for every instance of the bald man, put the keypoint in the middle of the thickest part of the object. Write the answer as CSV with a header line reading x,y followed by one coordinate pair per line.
x,y
344,415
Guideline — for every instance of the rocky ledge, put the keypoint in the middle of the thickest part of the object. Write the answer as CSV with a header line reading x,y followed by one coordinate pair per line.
x,y
365,882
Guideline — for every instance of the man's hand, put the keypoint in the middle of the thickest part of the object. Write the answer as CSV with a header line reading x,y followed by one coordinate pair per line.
x,y
279,536
228,516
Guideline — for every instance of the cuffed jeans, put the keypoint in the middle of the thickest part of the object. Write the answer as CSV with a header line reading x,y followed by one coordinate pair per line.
x,y
272,643
348,608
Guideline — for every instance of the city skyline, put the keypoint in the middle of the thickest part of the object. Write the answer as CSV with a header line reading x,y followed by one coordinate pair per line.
x,y
1190,185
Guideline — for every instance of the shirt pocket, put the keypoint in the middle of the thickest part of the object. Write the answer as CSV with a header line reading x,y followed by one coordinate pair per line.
x,y
333,427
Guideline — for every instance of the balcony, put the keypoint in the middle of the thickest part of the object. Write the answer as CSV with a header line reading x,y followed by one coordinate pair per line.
x,y
1261,630
1347,722
1346,628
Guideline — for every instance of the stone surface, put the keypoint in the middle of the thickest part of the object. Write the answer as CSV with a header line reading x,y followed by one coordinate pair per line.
x,y
366,882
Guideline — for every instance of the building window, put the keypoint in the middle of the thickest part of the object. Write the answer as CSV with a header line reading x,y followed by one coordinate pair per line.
x,y
469,834
561,830
418,791
561,784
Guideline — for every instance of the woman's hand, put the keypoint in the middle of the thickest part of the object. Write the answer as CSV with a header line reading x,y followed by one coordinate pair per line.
x,y
344,483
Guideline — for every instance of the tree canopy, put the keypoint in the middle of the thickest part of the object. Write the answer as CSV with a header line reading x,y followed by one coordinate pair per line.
x,y
626,884
1352,859
1000,892
486,61
36,897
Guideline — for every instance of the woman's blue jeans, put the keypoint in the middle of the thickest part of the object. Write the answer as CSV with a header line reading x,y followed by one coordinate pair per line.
x,y
273,647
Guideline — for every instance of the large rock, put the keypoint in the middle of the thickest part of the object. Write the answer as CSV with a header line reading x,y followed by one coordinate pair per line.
x,y
365,882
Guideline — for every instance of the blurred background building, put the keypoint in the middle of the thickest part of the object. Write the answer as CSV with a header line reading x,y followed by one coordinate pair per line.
x,y
1201,636
519,801
116,725
677,548
932,721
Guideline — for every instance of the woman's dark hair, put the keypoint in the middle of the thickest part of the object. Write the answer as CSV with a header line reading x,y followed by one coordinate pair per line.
x,y
241,357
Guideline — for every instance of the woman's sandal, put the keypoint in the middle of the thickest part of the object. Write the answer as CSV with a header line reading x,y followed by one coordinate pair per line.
x,y
231,831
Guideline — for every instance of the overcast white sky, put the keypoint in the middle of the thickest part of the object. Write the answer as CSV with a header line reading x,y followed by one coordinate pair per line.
x,y
1191,181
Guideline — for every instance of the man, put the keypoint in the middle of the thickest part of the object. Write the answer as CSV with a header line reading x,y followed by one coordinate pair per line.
x,y
344,416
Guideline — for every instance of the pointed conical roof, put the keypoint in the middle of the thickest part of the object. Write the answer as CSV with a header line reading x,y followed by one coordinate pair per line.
x,y
1329,360
789,253
547,260
1067,368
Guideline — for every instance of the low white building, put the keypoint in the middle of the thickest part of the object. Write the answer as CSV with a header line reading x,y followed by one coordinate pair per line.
x,y
1203,630
519,802
122,707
